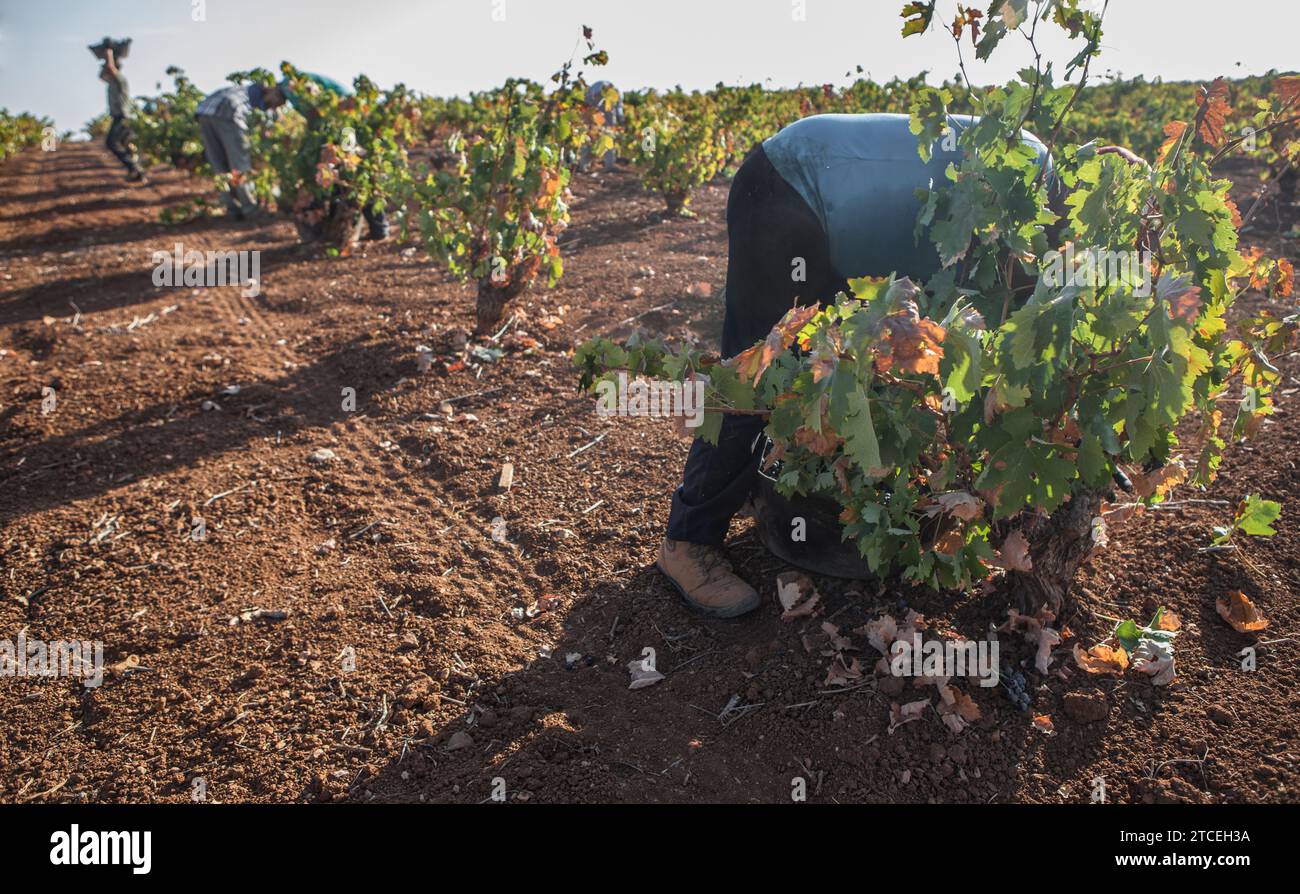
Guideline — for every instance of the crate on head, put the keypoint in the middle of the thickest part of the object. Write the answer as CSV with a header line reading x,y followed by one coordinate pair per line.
x,y
121,48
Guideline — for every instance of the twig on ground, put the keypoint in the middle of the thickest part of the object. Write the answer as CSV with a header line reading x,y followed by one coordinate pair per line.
x,y
225,493
500,332
1179,504
588,445
1200,763
452,400
681,664
647,312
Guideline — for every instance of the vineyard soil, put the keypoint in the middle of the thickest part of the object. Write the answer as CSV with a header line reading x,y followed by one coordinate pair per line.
x,y
382,553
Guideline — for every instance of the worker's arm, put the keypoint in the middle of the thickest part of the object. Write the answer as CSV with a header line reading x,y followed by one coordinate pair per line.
x,y
110,62
1127,154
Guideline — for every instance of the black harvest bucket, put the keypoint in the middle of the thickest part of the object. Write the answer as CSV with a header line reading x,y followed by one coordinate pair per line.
x,y
821,551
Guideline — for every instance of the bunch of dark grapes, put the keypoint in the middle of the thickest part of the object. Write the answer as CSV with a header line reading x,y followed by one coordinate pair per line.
x,y
1016,688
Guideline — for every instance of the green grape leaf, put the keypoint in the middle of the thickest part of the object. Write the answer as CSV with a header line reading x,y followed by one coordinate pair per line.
x,y
1255,516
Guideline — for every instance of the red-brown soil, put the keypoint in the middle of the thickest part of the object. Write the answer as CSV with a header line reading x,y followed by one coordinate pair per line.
x,y
98,498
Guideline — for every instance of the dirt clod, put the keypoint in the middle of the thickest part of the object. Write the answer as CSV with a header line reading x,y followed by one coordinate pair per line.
x,y
1086,707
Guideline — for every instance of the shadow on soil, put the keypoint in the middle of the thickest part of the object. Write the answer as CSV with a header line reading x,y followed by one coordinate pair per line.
x,y
175,433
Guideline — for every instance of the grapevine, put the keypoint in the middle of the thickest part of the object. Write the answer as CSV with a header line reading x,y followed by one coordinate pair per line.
x,y
979,419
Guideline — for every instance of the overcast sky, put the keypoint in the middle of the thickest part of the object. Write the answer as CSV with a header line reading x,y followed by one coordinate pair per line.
x,y
454,46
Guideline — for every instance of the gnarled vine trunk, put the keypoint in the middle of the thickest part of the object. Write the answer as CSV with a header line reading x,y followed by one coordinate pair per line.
x,y
492,301
676,202
343,227
340,228
1058,544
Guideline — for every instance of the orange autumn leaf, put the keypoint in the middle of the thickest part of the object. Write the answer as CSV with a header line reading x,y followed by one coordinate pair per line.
x,y
1285,279
1159,482
795,319
911,344
966,707
967,17
950,543
1169,621
1184,302
1263,273
1044,723
1287,89
1241,613
1101,659
841,468
1069,433
1214,111
822,443
953,701
1118,513
550,185
1234,211
751,363
823,364
1173,131
1256,265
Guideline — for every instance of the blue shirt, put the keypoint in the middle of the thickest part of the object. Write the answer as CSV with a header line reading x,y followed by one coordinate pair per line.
x,y
329,85
233,103
858,174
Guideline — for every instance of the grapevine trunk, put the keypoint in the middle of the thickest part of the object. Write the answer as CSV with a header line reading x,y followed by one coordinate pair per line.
x,y
492,301
676,202
1060,543
340,228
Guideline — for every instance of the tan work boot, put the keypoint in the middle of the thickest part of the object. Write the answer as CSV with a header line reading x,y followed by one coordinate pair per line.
x,y
705,579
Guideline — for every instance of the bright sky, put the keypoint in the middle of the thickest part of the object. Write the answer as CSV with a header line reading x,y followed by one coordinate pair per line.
x,y
450,47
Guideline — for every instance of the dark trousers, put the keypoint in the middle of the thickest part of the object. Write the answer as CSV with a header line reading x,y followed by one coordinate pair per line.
x,y
769,227
376,219
118,141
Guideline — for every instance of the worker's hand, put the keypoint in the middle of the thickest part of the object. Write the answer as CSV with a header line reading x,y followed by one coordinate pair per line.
x,y
1126,154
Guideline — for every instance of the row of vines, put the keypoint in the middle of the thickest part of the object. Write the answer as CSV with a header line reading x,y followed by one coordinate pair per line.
x,y
18,132
483,182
